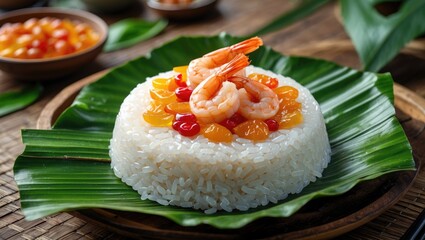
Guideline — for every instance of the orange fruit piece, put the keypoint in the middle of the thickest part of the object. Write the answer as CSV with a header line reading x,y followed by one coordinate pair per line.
x,y
178,107
264,79
172,86
217,133
286,92
289,120
289,105
255,130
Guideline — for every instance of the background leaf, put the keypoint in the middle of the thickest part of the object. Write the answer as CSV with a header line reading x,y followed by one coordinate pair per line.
x,y
68,4
14,100
305,8
366,139
128,32
377,38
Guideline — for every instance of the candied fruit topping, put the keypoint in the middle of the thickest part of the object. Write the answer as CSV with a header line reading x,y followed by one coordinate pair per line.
x,y
233,121
286,92
161,83
158,119
255,130
183,71
289,120
186,125
170,106
163,96
178,107
289,105
183,93
272,124
156,107
189,129
270,82
217,133
179,80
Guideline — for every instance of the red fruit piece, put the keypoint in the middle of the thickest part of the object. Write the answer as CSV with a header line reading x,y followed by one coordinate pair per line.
x,y
233,121
185,117
179,80
189,129
183,93
272,124
176,125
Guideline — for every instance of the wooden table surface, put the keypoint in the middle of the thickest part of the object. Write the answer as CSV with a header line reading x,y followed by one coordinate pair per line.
x,y
321,35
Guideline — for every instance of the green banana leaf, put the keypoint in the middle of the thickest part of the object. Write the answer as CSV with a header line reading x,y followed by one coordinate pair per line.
x,y
128,32
12,101
377,38
68,167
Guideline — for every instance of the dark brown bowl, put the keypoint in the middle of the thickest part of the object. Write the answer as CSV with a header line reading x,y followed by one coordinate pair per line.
x,y
192,10
52,68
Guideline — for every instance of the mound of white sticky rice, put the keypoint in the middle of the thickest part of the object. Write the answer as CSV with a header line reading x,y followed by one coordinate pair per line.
x,y
163,166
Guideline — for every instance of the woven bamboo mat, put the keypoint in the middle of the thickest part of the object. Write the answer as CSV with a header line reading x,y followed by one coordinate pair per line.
x,y
390,225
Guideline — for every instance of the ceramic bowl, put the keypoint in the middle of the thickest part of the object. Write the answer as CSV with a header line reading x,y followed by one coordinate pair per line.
x,y
55,67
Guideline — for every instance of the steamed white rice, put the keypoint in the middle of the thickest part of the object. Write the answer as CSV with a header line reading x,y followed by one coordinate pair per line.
x,y
163,166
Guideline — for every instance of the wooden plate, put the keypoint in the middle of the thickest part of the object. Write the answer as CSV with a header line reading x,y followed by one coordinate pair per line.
x,y
321,218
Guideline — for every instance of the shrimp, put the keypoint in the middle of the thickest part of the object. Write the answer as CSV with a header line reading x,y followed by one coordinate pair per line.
x,y
199,69
257,101
216,99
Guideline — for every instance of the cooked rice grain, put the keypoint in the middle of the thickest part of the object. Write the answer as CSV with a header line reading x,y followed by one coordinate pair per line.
x,y
163,166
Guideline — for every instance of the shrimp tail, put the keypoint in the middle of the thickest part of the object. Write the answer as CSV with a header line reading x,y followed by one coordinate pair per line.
x,y
234,66
247,46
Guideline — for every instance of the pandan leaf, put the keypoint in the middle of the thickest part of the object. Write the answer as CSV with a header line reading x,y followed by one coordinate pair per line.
x,y
377,38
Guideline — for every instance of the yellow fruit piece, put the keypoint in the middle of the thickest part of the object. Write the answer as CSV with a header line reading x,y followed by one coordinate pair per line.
x,y
156,107
161,83
217,133
158,119
163,96
255,130
183,71
178,107
172,86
